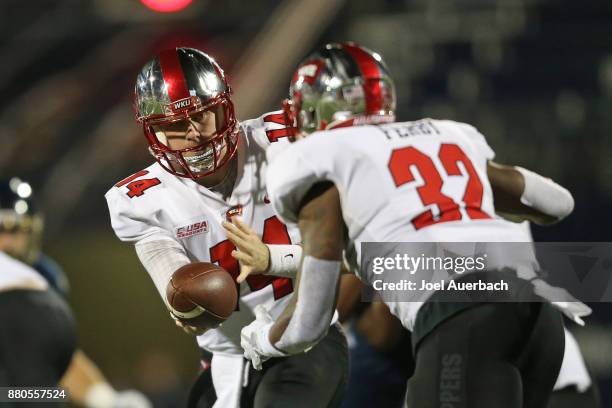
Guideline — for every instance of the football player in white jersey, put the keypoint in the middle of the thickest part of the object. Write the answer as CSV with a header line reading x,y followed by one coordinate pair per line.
x,y
209,170
32,288
424,181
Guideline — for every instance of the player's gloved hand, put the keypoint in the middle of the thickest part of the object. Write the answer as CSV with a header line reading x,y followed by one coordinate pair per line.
x,y
252,254
193,330
255,341
253,335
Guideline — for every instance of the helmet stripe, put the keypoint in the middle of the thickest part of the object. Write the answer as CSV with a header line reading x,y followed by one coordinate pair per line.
x,y
173,74
371,73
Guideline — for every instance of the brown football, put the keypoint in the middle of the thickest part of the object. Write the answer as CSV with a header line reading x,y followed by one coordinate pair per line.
x,y
202,294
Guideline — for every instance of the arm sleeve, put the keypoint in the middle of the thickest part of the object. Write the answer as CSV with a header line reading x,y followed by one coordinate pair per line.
x,y
545,195
315,305
161,257
160,254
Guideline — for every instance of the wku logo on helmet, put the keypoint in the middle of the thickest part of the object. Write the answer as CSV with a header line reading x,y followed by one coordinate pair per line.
x,y
181,104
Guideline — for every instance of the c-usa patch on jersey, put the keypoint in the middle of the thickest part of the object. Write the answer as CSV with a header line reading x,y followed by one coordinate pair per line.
x,y
191,229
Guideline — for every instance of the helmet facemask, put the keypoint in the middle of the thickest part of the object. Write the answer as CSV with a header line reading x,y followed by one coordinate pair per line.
x,y
219,138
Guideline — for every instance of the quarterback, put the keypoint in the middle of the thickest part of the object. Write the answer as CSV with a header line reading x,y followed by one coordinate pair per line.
x,y
358,178
210,173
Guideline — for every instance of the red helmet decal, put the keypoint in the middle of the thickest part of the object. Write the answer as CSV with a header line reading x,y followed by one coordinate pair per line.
x,y
309,71
173,75
371,73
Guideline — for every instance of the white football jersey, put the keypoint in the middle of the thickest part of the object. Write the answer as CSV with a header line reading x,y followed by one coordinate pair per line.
x,y
156,204
422,181
14,273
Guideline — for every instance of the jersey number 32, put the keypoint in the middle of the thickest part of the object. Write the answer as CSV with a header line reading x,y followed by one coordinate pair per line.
x,y
401,164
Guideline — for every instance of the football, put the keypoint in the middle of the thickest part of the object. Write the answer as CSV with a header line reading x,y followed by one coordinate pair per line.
x,y
202,294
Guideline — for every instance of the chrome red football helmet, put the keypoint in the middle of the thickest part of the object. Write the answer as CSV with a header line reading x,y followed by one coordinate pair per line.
x,y
172,90
340,85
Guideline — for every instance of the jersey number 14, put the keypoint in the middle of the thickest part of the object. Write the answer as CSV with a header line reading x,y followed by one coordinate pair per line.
x,y
274,232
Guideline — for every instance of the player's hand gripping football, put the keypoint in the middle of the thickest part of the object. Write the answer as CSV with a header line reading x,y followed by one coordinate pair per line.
x,y
252,254
251,337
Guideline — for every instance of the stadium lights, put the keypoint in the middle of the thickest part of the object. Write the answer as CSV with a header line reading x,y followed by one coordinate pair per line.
x,y
166,6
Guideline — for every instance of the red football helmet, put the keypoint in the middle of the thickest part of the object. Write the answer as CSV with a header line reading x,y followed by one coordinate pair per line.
x,y
173,90
340,85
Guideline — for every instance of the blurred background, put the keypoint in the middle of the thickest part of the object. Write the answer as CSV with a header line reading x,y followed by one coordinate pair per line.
x,y
534,76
